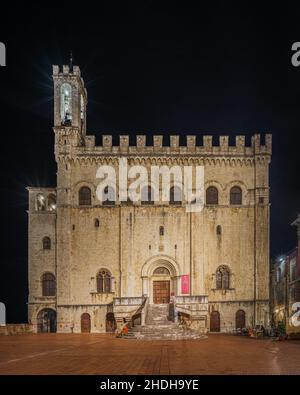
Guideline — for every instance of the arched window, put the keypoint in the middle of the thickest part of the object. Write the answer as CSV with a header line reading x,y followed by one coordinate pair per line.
x,y
48,284
96,223
222,277
219,230
109,196
40,202
161,230
46,243
212,195
236,196
66,104
175,195
51,202
85,196
147,195
103,281
82,110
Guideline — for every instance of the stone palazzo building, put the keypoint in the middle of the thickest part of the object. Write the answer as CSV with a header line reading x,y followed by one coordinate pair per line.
x,y
93,263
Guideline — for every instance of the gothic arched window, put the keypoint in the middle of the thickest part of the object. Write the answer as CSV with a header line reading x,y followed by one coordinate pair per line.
x,y
222,277
81,107
48,284
235,195
66,104
212,195
96,223
175,195
51,202
85,196
219,230
103,281
147,195
40,202
46,243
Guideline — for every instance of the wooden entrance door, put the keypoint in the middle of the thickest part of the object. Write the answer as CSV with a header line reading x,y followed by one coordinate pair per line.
x,y
161,292
110,323
215,321
85,323
240,319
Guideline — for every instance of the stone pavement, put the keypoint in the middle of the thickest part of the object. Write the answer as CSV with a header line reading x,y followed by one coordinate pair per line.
x,y
104,354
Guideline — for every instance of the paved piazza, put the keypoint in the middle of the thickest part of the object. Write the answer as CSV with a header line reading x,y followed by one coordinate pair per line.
x,y
104,354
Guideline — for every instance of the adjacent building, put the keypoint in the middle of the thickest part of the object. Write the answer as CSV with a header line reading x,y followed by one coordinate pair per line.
x,y
285,287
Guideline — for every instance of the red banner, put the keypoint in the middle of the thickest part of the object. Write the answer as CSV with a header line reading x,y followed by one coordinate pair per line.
x,y
185,284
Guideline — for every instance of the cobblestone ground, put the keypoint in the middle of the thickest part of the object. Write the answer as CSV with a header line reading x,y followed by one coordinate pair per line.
x,y
104,354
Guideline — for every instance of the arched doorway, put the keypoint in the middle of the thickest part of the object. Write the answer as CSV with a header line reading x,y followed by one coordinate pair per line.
x,y
46,321
215,321
161,285
150,273
110,323
240,319
85,323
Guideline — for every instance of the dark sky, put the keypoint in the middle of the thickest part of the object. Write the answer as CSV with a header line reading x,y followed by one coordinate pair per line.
x,y
218,69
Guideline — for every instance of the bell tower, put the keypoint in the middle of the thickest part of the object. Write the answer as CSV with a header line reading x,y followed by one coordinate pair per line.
x,y
70,102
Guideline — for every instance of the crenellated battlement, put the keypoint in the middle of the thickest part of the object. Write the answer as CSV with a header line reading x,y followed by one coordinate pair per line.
x,y
70,101
65,70
208,148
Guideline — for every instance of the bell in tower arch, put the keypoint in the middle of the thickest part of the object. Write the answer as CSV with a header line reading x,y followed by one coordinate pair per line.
x,y
66,104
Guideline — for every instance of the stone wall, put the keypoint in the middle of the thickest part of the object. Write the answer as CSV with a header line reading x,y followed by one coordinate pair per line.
x,y
16,329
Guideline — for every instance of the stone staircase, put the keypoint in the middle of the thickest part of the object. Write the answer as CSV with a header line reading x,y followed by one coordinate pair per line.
x,y
158,327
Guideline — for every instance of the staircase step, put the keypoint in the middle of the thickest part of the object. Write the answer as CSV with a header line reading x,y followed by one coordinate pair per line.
x,y
158,327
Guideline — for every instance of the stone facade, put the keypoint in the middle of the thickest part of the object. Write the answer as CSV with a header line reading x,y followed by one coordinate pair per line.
x,y
125,239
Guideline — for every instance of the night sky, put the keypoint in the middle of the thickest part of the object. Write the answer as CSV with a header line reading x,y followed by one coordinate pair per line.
x,y
218,69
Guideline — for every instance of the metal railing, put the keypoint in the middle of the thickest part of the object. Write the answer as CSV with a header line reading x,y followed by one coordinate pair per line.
x,y
128,301
191,299
138,314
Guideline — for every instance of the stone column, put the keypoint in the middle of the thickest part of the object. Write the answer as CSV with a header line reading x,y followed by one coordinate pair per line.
x,y
145,286
178,285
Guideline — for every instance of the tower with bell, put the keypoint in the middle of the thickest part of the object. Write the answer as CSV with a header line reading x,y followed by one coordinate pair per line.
x,y
70,102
